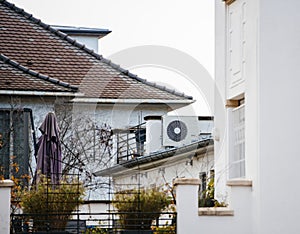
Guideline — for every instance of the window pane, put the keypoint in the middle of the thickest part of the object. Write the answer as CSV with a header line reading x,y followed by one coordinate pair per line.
x,y
14,136
237,157
21,142
4,149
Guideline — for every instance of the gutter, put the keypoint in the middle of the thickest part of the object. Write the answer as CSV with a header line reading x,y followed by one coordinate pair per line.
x,y
130,101
36,93
194,149
94,100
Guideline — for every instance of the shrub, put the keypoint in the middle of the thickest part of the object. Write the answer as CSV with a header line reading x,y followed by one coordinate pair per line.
x,y
137,209
165,229
96,230
207,198
51,206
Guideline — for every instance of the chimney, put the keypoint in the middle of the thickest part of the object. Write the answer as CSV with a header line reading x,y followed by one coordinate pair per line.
x,y
87,36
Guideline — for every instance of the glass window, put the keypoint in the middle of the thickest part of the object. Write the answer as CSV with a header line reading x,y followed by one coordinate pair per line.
x,y
237,154
14,149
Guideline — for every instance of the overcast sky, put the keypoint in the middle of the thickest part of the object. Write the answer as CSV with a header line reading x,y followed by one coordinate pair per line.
x,y
187,26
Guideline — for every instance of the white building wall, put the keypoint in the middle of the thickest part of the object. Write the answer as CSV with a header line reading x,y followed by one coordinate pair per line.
x,y
119,116
98,210
216,220
251,110
271,115
39,108
5,194
279,127
164,174
220,115
244,48
89,41
240,79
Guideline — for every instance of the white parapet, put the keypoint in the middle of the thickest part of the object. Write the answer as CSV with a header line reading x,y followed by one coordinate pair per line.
x,y
5,190
187,205
235,219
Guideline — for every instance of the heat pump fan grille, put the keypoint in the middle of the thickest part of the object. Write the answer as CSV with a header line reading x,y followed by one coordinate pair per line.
x,y
177,130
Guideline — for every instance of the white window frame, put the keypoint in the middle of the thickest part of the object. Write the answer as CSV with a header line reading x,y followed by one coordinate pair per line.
x,y
237,143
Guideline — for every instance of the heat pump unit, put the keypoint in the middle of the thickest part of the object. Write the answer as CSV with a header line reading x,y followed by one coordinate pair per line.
x,y
180,130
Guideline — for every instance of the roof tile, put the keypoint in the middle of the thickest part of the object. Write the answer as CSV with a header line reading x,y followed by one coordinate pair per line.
x,y
18,78
47,52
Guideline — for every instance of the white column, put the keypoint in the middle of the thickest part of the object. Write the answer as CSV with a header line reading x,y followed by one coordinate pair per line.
x,y
5,189
187,205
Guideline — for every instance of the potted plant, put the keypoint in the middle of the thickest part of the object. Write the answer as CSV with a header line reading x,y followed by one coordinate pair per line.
x,y
138,208
50,207
207,197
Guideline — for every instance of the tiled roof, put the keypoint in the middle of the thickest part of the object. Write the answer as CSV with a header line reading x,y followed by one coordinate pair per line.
x,y
17,77
41,48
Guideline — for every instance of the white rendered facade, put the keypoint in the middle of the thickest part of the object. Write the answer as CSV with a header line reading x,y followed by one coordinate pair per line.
x,y
257,61
117,116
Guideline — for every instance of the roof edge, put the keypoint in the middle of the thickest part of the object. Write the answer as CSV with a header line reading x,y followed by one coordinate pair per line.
x,y
130,101
85,31
154,157
92,52
37,93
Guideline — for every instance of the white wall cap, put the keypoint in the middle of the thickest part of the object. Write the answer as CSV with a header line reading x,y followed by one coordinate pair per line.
x,y
186,181
239,182
6,183
215,211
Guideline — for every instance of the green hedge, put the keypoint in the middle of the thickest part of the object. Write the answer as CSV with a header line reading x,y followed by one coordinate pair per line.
x,y
137,209
51,206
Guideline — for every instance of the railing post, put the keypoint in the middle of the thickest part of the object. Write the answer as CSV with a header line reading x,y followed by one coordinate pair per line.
x,y
118,150
5,190
186,204
127,146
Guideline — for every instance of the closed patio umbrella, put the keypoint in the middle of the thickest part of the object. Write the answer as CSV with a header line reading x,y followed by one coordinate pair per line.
x,y
49,149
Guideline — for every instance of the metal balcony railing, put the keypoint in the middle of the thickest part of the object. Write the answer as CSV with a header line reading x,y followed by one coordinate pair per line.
x,y
130,143
87,223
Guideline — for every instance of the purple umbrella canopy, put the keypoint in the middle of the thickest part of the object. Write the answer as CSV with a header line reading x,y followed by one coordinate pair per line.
x,y
49,149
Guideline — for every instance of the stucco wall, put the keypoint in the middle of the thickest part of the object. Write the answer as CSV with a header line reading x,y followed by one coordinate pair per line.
x,y
220,118
165,172
246,55
271,114
279,116
120,116
5,192
89,41
116,115
231,220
